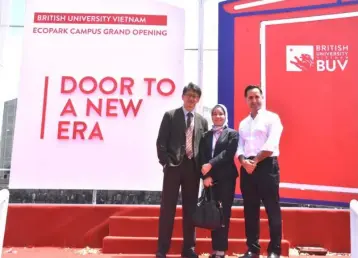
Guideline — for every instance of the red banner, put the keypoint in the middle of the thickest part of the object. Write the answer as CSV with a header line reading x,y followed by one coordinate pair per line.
x,y
311,81
318,107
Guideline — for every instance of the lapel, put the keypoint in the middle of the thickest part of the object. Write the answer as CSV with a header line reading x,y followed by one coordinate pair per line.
x,y
182,119
210,136
196,126
221,138
197,136
223,135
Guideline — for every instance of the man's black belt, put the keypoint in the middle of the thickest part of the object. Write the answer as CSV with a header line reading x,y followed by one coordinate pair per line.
x,y
252,157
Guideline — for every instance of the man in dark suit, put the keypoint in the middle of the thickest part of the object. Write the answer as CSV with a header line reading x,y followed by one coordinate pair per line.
x,y
177,146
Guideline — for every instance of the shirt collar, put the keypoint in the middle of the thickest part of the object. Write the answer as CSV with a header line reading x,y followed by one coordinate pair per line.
x,y
260,111
186,112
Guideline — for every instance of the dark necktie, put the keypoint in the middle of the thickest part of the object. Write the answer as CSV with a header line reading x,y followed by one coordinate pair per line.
x,y
188,120
189,136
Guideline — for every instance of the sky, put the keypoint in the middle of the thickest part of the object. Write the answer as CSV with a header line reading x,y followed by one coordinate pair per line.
x,y
11,48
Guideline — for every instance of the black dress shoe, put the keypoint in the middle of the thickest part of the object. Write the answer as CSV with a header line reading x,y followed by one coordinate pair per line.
x,y
160,255
189,254
250,255
273,255
216,256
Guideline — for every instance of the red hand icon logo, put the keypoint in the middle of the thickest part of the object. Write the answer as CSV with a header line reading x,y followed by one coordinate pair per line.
x,y
305,62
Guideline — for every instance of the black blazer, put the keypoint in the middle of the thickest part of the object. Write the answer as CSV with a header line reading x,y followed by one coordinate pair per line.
x,y
171,137
223,166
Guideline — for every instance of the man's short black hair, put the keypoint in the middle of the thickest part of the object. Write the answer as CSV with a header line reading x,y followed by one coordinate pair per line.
x,y
192,87
251,87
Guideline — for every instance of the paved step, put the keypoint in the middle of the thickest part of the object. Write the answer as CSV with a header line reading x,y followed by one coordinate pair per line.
x,y
148,245
153,211
128,226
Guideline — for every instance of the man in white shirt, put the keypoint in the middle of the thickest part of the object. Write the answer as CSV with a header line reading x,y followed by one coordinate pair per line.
x,y
257,153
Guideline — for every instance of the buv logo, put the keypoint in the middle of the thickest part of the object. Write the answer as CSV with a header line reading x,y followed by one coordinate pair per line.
x,y
299,58
320,58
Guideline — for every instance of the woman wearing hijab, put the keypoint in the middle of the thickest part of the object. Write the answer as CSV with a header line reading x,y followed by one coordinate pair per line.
x,y
217,150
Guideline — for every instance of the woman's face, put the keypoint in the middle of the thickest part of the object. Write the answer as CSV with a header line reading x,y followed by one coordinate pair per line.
x,y
218,116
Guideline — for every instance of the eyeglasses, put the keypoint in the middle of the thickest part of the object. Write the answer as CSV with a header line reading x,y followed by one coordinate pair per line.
x,y
194,96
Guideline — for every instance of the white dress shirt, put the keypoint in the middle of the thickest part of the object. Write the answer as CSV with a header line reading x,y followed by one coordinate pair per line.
x,y
262,133
216,136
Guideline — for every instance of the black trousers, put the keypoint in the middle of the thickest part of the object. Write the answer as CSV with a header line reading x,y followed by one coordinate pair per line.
x,y
186,176
223,191
262,184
